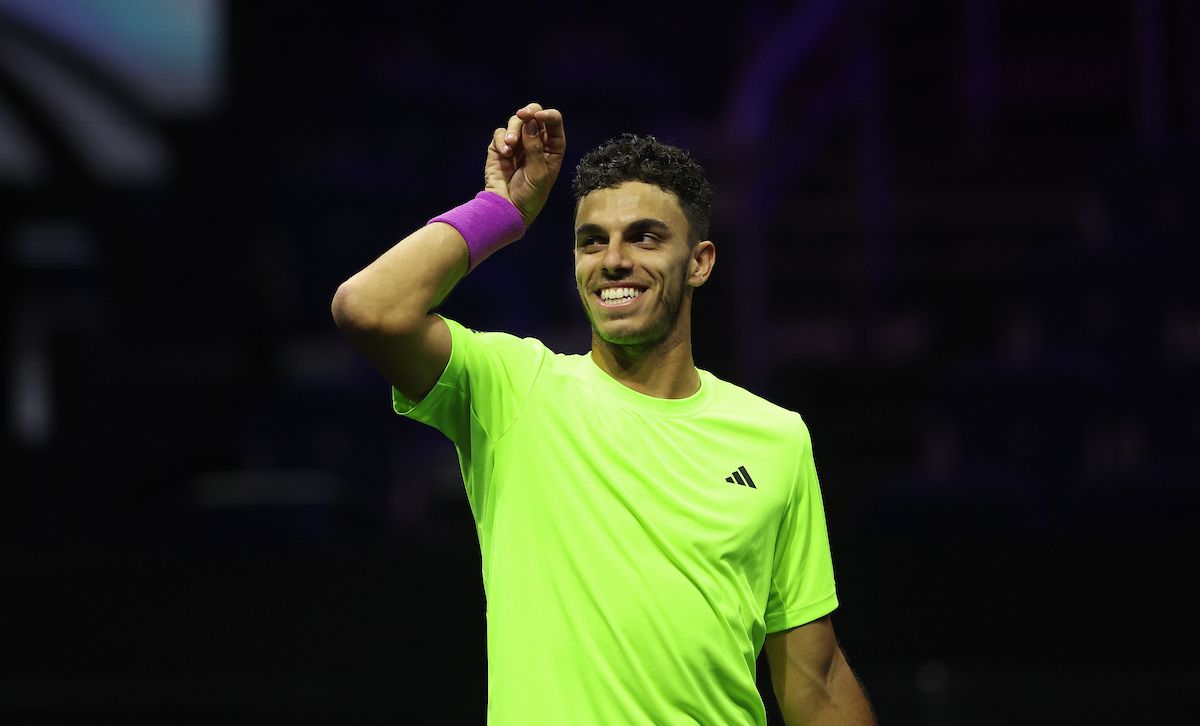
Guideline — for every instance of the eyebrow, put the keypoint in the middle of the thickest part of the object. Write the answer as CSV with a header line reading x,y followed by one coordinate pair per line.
x,y
646,224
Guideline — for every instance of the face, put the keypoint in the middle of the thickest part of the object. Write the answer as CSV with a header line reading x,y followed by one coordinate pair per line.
x,y
634,236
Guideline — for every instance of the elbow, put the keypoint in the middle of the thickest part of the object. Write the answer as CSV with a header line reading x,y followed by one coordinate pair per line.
x,y
346,314
355,315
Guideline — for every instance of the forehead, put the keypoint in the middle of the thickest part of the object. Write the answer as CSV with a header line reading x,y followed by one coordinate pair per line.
x,y
615,207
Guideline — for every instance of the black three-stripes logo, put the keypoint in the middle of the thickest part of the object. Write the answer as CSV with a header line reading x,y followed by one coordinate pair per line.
x,y
742,477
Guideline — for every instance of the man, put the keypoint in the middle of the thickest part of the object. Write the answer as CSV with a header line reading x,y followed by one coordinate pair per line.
x,y
644,526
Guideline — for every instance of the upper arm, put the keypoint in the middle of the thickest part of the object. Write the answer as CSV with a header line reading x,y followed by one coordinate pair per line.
x,y
411,361
813,682
802,659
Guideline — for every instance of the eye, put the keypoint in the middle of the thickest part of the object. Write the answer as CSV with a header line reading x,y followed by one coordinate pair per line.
x,y
590,241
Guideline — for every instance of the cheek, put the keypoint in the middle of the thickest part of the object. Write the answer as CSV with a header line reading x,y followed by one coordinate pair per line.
x,y
583,272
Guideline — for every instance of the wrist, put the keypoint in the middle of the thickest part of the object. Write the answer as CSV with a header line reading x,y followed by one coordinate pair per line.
x,y
487,223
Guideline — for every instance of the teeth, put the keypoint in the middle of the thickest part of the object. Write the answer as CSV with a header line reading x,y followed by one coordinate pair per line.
x,y
618,293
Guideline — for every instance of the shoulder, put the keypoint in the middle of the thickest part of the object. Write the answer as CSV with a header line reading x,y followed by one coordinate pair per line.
x,y
495,339
729,396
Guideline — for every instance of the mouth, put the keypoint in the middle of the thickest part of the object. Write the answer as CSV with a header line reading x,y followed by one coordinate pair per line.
x,y
618,297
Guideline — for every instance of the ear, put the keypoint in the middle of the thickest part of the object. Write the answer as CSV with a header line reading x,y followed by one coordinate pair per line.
x,y
700,263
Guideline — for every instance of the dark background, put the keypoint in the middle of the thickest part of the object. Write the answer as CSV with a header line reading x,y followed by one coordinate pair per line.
x,y
960,238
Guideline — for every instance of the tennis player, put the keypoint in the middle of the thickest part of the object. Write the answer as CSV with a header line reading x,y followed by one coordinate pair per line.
x,y
646,528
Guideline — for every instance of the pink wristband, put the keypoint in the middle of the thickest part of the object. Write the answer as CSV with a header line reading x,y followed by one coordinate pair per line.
x,y
487,222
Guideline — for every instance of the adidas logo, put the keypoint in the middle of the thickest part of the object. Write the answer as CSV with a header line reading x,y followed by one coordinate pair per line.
x,y
741,477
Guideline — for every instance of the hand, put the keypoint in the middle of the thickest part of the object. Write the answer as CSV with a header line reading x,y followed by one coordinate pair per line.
x,y
524,158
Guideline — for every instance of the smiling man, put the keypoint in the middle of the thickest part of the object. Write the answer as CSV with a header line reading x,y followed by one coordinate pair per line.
x,y
635,256
646,528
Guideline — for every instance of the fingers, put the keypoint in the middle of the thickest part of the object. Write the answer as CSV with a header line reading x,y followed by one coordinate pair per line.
x,y
548,117
524,158
531,143
520,120
498,142
552,123
512,135
495,176
532,139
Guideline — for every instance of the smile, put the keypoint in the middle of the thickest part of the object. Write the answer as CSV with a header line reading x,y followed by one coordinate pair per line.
x,y
618,297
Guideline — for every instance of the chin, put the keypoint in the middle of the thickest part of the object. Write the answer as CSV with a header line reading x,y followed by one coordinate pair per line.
x,y
621,335
623,331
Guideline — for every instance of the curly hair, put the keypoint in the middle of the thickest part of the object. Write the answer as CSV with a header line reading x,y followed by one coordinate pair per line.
x,y
630,157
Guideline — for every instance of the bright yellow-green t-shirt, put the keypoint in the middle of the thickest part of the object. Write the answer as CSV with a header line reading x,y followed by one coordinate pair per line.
x,y
636,550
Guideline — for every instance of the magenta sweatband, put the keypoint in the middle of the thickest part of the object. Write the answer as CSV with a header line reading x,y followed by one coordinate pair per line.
x,y
487,223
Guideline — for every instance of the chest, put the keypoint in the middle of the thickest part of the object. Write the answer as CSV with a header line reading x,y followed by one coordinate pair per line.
x,y
588,475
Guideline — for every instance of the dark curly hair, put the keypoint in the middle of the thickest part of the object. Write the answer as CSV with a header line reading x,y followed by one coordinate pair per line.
x,y
630,157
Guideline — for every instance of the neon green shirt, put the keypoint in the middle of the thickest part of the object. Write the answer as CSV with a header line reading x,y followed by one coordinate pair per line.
x,y
636,550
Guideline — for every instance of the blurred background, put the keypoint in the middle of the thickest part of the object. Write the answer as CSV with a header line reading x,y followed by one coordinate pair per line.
x,y
959,237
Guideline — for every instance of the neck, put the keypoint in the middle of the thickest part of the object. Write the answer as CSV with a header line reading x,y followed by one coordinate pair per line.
x,y
663,368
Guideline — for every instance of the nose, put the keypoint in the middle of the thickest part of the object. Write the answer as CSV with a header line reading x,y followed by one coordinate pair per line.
x,y
615,258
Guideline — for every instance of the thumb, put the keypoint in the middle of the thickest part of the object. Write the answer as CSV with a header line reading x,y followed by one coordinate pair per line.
x,y
535,157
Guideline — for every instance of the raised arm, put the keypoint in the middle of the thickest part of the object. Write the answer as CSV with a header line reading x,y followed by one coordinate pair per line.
x,y
813,682
384,308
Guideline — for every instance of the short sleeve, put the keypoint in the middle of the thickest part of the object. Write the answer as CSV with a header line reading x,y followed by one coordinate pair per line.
x,y
802,584
483,388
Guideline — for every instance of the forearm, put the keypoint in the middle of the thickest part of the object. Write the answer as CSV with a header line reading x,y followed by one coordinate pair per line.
x,y
394,294
398,289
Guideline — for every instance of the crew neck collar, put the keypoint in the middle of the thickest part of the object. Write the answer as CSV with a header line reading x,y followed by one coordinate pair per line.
x,y
694,403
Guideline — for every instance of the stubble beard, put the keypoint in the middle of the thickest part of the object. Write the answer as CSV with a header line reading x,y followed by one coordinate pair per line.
x,y
662,320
